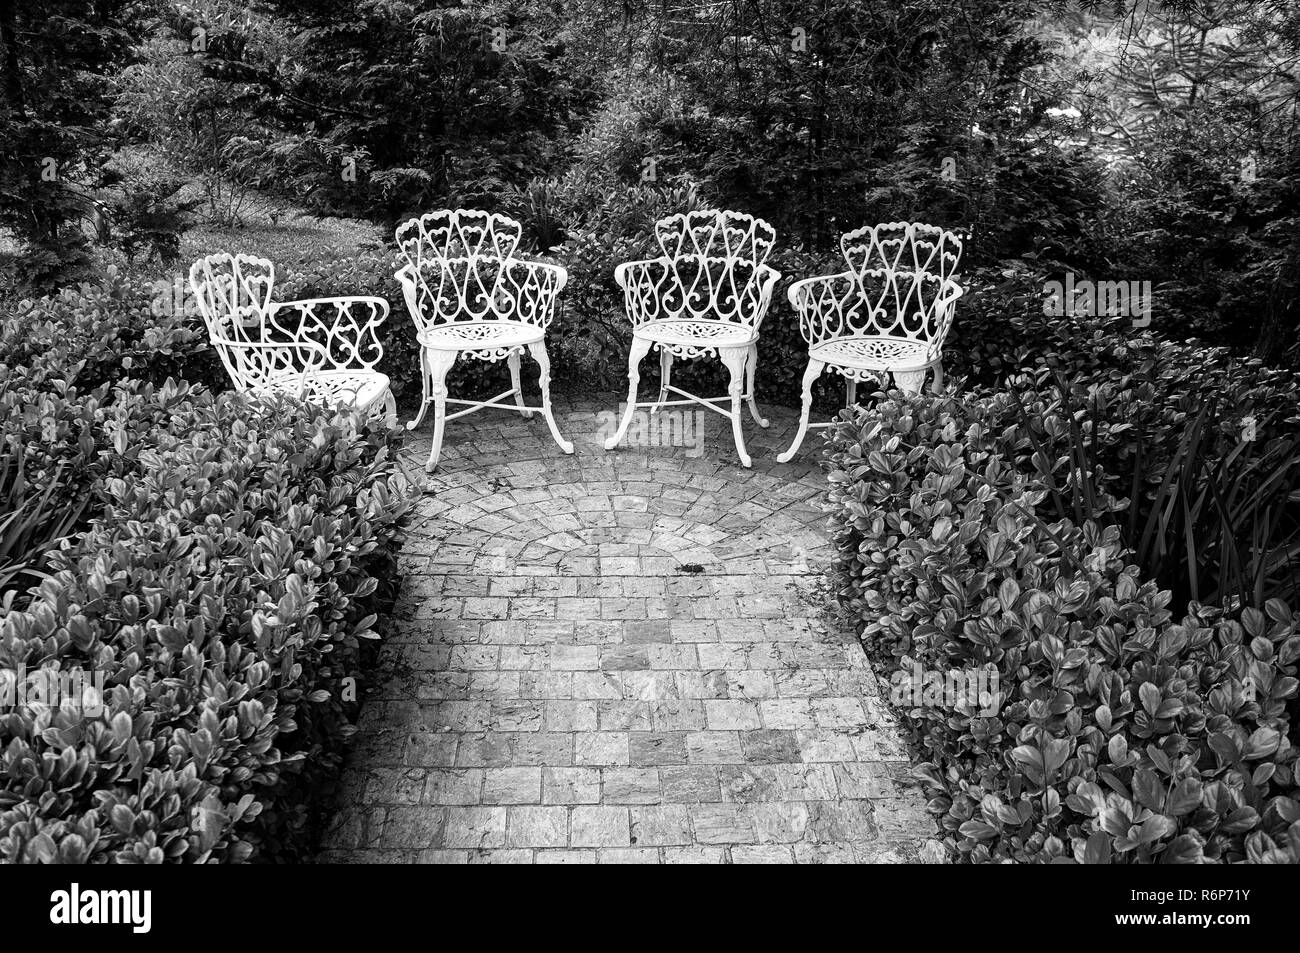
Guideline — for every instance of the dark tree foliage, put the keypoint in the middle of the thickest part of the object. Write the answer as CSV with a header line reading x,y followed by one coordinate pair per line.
x,y
1106,139
822,116
56,57
394,108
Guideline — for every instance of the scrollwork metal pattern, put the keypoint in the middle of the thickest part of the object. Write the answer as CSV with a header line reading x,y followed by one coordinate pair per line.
x,y
323,348
697,290
461,268
724,234
899,288
463,233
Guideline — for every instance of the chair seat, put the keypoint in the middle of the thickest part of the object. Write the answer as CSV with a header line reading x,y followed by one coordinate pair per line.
x,y
480,335
358,388
873,353
696,333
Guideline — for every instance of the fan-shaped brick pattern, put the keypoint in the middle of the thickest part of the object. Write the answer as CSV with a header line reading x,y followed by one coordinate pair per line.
x,y
621,657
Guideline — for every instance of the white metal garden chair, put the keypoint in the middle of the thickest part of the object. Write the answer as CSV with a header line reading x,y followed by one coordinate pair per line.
x,y
890,312
320,349
706,295
471,297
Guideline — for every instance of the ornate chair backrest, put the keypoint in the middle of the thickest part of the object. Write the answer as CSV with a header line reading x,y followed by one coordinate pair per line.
x,y
712,270
233,293
463,233
464,266
234,297
903,272
471,288
724,234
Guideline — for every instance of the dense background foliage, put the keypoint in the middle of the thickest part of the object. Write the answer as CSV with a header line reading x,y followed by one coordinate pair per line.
x,y
1153,142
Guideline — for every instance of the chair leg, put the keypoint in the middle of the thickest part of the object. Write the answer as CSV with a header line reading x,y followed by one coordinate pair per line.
x,y
538,350
734,358
850,391
390,410
424,381
665,376
440,363
809,377
937,386
909,382
513,361
640,348
751,366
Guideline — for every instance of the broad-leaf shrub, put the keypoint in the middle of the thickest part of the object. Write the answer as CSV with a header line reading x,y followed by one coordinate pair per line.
x,y
1122,733
59,355
48,464
1203,443
98,332
223,592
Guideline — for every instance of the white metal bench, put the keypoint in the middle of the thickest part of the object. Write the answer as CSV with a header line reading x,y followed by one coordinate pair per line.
x,y
890,312
470,296
320,349
706,295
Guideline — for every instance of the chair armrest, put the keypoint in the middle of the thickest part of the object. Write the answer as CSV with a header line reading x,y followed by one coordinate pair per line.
x,y
406,276
511,288
251,364
559,271
825,304
945,308
376,302
620,271
664,288
804,288
531,296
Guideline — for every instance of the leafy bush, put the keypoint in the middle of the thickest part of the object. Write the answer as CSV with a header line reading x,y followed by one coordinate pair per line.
x,y
59,356
49,448
223,593
149,220
222,575
1202,442
95,333
32,517
1213,510
1122,734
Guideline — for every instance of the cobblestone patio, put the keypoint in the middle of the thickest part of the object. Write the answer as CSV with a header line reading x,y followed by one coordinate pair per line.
x,y
621,657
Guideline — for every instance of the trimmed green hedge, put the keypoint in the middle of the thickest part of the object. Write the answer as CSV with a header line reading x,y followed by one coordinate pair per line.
x,y
1123,733
236,559
216,598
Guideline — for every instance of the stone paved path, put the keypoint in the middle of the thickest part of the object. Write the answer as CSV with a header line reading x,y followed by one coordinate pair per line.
x,y
621,657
